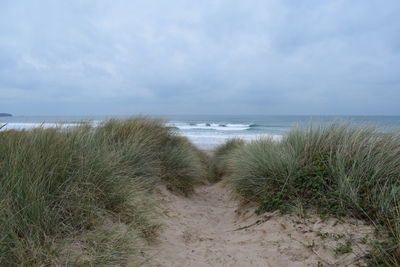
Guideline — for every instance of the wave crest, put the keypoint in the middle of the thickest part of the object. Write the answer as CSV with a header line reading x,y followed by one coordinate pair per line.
x,y
210,126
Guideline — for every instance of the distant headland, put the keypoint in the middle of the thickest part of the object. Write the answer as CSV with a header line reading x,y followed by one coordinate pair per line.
x,y
5,115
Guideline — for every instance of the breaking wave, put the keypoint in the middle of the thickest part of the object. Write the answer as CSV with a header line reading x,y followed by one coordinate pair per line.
x,y
212,126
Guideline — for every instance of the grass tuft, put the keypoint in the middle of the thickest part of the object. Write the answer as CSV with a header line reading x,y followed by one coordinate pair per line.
x,y
221,157
339,169
59,187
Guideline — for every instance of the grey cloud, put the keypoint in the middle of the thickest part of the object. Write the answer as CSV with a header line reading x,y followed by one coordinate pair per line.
x,y
269,57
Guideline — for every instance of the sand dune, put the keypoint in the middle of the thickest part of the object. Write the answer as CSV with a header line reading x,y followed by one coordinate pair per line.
x,y
209,229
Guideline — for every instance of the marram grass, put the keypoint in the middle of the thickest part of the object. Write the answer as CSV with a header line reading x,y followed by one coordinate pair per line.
x,y
339,169
222,155
82,196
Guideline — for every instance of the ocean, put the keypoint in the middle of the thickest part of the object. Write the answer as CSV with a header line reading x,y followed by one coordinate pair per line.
x,y
208,131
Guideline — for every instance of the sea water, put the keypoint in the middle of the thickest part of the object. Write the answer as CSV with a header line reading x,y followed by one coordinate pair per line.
x,y
208,131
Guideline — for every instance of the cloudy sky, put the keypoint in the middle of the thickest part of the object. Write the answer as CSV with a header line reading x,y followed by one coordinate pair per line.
x,y
95,57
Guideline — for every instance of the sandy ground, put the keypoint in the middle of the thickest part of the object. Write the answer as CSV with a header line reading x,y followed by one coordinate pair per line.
x,y
209,229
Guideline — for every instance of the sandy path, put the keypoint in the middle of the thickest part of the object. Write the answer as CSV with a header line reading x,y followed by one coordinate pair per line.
x,y
202,231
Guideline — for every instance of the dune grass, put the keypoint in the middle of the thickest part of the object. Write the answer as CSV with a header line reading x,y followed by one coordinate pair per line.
x,y
221,156
181,164
339,169
82,196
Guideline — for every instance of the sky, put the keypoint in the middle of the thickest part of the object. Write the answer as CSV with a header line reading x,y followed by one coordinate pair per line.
x,y
95,57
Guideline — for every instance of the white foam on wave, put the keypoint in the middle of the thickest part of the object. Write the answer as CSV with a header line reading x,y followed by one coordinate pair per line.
x,y
211,141
210,126
210,135
32,125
